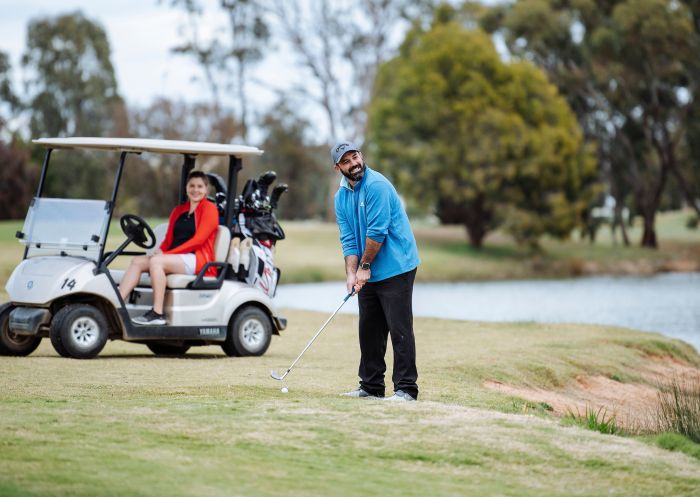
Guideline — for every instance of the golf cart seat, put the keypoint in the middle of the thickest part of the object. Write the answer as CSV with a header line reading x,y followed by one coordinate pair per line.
x,y
221,247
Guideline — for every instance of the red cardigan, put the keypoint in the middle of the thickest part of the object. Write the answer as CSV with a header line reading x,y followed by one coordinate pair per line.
x,y
206,221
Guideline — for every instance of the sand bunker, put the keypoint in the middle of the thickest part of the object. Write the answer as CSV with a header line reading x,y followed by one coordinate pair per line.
x,y
633,404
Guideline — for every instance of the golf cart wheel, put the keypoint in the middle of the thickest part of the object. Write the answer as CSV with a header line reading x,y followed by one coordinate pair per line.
x,y
11,343
166,349
249,333
79,331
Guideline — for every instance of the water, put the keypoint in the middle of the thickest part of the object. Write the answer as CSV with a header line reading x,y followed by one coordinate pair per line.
x,y
666,303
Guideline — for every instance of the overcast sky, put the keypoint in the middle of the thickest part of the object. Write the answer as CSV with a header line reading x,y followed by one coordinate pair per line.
x,y
141,34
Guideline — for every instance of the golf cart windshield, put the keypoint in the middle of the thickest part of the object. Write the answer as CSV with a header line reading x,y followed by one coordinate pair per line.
x,y
65,227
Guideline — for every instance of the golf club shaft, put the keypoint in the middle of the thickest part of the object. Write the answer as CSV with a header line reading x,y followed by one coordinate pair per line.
x,y
319,331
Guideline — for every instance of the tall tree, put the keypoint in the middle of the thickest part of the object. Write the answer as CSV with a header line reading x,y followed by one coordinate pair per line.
x,y
626,67
17,174
208,54
487,143
72,91
71,81
151,182
297,161
249,33
17,180
339,45
226,61
9,101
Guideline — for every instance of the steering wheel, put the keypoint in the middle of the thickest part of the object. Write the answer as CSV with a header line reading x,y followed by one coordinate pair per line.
x,y
138,230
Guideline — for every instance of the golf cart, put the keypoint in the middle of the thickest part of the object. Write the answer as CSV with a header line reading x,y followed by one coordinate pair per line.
x,y
64,288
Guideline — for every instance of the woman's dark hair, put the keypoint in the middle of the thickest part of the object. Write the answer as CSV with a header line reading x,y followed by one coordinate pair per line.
x,y
198,174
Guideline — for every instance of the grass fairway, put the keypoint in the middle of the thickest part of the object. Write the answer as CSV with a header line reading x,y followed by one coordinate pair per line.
x,y
131,424
128,423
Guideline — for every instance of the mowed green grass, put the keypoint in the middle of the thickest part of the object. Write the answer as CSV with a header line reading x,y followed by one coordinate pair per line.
x,y
128,423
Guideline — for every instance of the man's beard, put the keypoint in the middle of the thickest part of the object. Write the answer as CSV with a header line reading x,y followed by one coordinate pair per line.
x,y
357,176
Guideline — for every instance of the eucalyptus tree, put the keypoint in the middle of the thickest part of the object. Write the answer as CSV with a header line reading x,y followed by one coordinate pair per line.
x,y
487,143
9,101
70,79
629,69
226,57
337,47
72,91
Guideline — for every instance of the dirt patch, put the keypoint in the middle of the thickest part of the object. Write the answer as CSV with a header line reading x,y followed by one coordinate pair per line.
x,y
682,265
633,404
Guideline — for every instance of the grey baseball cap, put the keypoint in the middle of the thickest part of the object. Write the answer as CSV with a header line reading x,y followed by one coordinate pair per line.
x,y
340,148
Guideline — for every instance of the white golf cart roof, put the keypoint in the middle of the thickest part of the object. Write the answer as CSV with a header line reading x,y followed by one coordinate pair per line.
x,y
148,145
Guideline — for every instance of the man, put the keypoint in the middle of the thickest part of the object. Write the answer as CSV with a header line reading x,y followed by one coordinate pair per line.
x,y
381,258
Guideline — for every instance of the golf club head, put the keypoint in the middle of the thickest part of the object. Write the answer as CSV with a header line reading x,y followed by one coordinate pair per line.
x,y
248,190
265,180
276,376
277,193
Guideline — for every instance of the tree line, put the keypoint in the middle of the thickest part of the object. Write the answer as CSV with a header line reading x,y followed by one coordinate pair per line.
x,y
580,101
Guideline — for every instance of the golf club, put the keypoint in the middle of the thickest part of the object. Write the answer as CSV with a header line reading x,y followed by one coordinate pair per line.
x,y
279,377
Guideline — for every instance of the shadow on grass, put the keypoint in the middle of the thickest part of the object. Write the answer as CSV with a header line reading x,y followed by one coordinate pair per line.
x,y
193,357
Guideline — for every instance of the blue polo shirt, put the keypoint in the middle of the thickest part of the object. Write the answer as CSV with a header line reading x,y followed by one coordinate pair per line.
x,y
373,210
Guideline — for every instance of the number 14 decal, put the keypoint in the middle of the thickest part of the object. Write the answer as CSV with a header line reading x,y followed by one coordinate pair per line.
x,y
70,283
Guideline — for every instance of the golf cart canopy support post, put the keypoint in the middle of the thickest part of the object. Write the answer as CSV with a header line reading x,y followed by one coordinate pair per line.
x,y
40,188
44,167
187,166
235,164
115,190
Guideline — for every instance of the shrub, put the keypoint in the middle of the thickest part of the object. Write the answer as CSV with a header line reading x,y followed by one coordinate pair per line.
x,y
679,408
596,420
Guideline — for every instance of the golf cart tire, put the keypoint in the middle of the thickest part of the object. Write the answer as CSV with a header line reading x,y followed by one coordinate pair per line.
x,y
249,333
79,331
10,343
165,349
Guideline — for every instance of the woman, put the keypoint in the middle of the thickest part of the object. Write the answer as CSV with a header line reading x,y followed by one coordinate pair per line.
x,y
188,246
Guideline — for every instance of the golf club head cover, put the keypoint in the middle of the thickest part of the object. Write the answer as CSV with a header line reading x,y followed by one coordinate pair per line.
x,y
277,193
250,187
264,181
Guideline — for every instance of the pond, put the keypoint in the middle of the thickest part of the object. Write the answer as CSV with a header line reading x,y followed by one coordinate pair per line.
x,y
666,303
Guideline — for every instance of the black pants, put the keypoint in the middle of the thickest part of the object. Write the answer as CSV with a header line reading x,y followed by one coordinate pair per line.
x,y
386,307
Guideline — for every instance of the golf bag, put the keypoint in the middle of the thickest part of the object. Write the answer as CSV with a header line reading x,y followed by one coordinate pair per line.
x,y
259,231
261,226
262,272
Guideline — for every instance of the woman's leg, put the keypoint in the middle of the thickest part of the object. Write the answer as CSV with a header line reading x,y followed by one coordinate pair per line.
x,y
160,266
131,277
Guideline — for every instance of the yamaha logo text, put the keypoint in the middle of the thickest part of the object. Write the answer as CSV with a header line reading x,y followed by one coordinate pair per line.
x,y
209,331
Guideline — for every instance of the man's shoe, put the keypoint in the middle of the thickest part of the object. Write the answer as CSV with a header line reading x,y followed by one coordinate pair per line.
x,y
151,318
401,396
359,393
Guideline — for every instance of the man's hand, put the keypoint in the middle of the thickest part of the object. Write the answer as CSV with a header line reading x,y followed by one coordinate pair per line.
x,y
351,281
361,278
